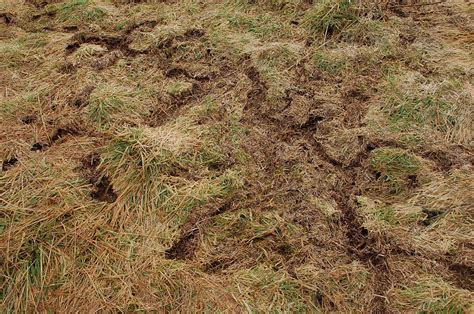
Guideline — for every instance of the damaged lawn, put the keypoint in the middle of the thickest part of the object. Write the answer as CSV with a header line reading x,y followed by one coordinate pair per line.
x,y
236,156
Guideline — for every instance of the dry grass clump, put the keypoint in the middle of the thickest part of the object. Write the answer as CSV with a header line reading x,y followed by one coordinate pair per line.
x,y
233,156
21,50
114,104
86,52
396,167
432,295
265,289
75,11
447,205
423,110
380,218
236,27
246,238
436,220
329,17
161,36
245,18
341,288
45,211
272,62
166,168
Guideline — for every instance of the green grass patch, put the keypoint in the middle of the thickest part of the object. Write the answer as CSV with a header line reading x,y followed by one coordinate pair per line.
x,y
75,11
329,16
395,167
380,217
261,25
114,104
407,112
179,88
433,295
328,62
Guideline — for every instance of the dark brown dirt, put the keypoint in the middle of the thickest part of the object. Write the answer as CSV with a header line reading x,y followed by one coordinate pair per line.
x,y
56,136
67,68
82,98
463,275
184,247
29,119
102,189
9,163
258,93
111,41
8,18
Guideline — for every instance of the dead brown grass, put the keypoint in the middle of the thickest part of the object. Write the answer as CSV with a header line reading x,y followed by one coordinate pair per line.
x,y
235,156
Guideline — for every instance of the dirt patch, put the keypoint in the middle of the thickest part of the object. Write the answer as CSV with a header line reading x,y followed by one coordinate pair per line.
x,y
67,68
82,98
365,248
9,163
56,136
258,92
111,41
184,247
29,119
102,189
463,275
8,18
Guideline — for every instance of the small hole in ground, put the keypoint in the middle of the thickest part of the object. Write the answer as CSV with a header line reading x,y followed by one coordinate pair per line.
x,y
37,147
104,191
29,119
9,163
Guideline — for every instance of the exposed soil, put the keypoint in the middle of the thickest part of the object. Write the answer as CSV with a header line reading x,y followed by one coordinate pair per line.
x,y
82,98
57,135
300,136
9,163
183,248
8,18
463,275
102,189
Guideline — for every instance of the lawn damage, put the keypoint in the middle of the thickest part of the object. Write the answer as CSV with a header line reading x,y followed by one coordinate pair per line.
x,y
236,156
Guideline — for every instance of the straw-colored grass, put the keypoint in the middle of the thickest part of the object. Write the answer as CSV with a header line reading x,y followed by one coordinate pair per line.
x,y
236,156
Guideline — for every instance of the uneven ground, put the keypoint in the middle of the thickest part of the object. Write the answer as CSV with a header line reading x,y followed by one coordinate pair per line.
x,y
229,156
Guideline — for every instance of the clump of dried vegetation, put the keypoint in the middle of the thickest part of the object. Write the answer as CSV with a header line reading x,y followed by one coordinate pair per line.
x,y
236,156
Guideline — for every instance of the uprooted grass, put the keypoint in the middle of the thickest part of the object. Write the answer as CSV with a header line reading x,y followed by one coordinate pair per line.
x,y
232,156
